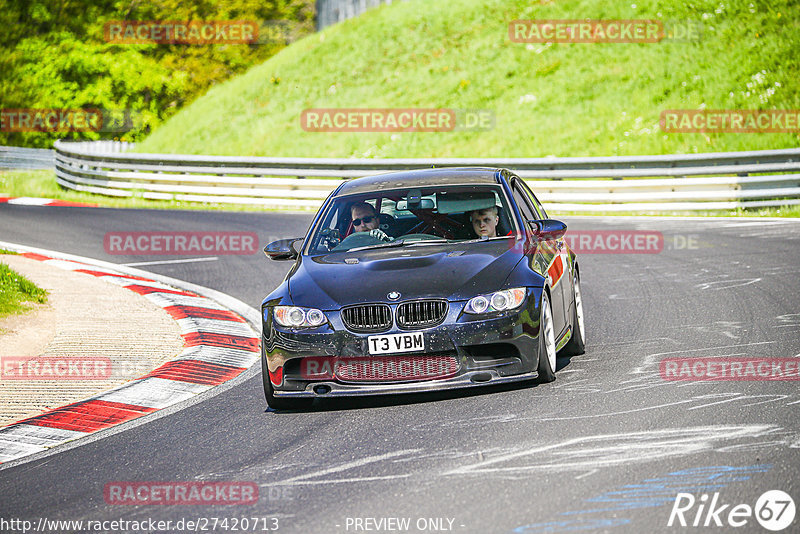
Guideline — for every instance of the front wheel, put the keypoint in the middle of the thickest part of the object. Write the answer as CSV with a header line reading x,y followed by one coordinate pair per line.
x,y
577,343
547,342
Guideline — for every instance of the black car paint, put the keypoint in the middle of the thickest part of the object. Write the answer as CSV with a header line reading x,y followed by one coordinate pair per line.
x,y
327,282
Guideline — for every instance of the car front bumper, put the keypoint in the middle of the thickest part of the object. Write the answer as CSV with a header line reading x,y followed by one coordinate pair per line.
x,y
489,350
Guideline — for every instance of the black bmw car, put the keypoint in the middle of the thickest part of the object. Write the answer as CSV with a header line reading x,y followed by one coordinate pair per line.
x,y
421,280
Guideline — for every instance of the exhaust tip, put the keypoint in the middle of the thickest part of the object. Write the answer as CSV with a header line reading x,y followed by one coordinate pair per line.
x,y
481,377
322,389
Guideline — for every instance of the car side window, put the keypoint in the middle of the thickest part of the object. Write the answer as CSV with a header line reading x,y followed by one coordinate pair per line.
x,y
534,201
522,202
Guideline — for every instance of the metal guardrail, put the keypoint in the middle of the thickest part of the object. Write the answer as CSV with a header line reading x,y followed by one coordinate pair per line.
x,y
333,11
725,180
12,157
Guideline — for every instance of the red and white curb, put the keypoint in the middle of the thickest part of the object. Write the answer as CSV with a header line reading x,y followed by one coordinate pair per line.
x,y
218,346
32,201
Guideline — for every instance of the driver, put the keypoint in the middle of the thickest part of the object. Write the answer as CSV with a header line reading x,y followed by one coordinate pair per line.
x,y
484,222
366,220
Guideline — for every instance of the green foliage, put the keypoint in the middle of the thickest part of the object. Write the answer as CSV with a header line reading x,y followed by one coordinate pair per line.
x,y
16,290
53,54
579,99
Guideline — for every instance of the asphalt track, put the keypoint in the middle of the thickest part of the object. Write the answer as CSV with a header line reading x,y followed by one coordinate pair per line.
x,y
605,448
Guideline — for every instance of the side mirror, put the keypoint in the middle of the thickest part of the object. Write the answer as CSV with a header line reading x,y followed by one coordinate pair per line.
x,y
548,229
282,249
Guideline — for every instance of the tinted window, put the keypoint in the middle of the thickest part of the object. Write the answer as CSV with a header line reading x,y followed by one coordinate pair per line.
x,y
522,202
409,216
534,201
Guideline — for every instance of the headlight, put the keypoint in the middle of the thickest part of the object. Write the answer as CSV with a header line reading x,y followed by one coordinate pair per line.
x,y
508,299
296,317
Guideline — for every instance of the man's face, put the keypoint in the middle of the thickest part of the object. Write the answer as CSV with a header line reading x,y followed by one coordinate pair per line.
x,y
366,219
484,223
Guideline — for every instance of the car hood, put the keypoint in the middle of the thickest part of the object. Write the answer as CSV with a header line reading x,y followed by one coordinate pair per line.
x,y
331,281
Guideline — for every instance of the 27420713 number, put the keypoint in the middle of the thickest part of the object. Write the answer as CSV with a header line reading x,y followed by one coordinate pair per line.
x,y
236,524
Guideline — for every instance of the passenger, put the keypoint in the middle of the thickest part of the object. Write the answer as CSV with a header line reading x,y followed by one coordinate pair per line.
x,y
484,222
366,220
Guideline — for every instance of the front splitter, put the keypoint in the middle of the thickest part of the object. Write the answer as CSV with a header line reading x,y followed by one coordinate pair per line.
x,y
467,380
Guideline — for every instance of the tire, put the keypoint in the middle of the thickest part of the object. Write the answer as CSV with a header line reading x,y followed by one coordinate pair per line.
x,y
577,343
278,403
547,342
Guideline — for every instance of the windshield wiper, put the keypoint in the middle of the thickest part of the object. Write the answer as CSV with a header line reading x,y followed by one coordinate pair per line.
x,y
397,243
401,242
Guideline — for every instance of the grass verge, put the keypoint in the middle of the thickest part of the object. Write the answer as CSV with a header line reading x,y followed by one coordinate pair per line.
x,y
16,291
42,184
782,211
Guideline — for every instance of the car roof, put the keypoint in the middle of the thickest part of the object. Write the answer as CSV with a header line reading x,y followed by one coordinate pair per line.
x,y
420,178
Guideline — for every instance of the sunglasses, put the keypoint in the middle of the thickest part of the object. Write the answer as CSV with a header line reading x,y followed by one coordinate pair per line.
x,y
366,220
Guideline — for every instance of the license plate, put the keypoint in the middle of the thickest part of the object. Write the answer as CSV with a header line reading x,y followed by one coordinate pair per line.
x,y
394,343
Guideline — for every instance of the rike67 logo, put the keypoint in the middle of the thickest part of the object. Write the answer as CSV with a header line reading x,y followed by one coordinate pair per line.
x,y
774,510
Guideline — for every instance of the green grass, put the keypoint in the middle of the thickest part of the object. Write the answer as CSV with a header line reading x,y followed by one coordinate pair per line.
x,y
16,291
42,184
595,99
39,184
782,211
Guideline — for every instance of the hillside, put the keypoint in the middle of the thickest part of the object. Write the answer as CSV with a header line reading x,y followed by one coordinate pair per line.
x,y
566,99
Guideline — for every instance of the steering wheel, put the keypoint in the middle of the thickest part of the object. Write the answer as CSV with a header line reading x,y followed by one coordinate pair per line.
x,y
358,239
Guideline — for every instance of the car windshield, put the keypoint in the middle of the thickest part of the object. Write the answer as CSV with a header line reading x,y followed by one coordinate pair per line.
x,y
413,217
